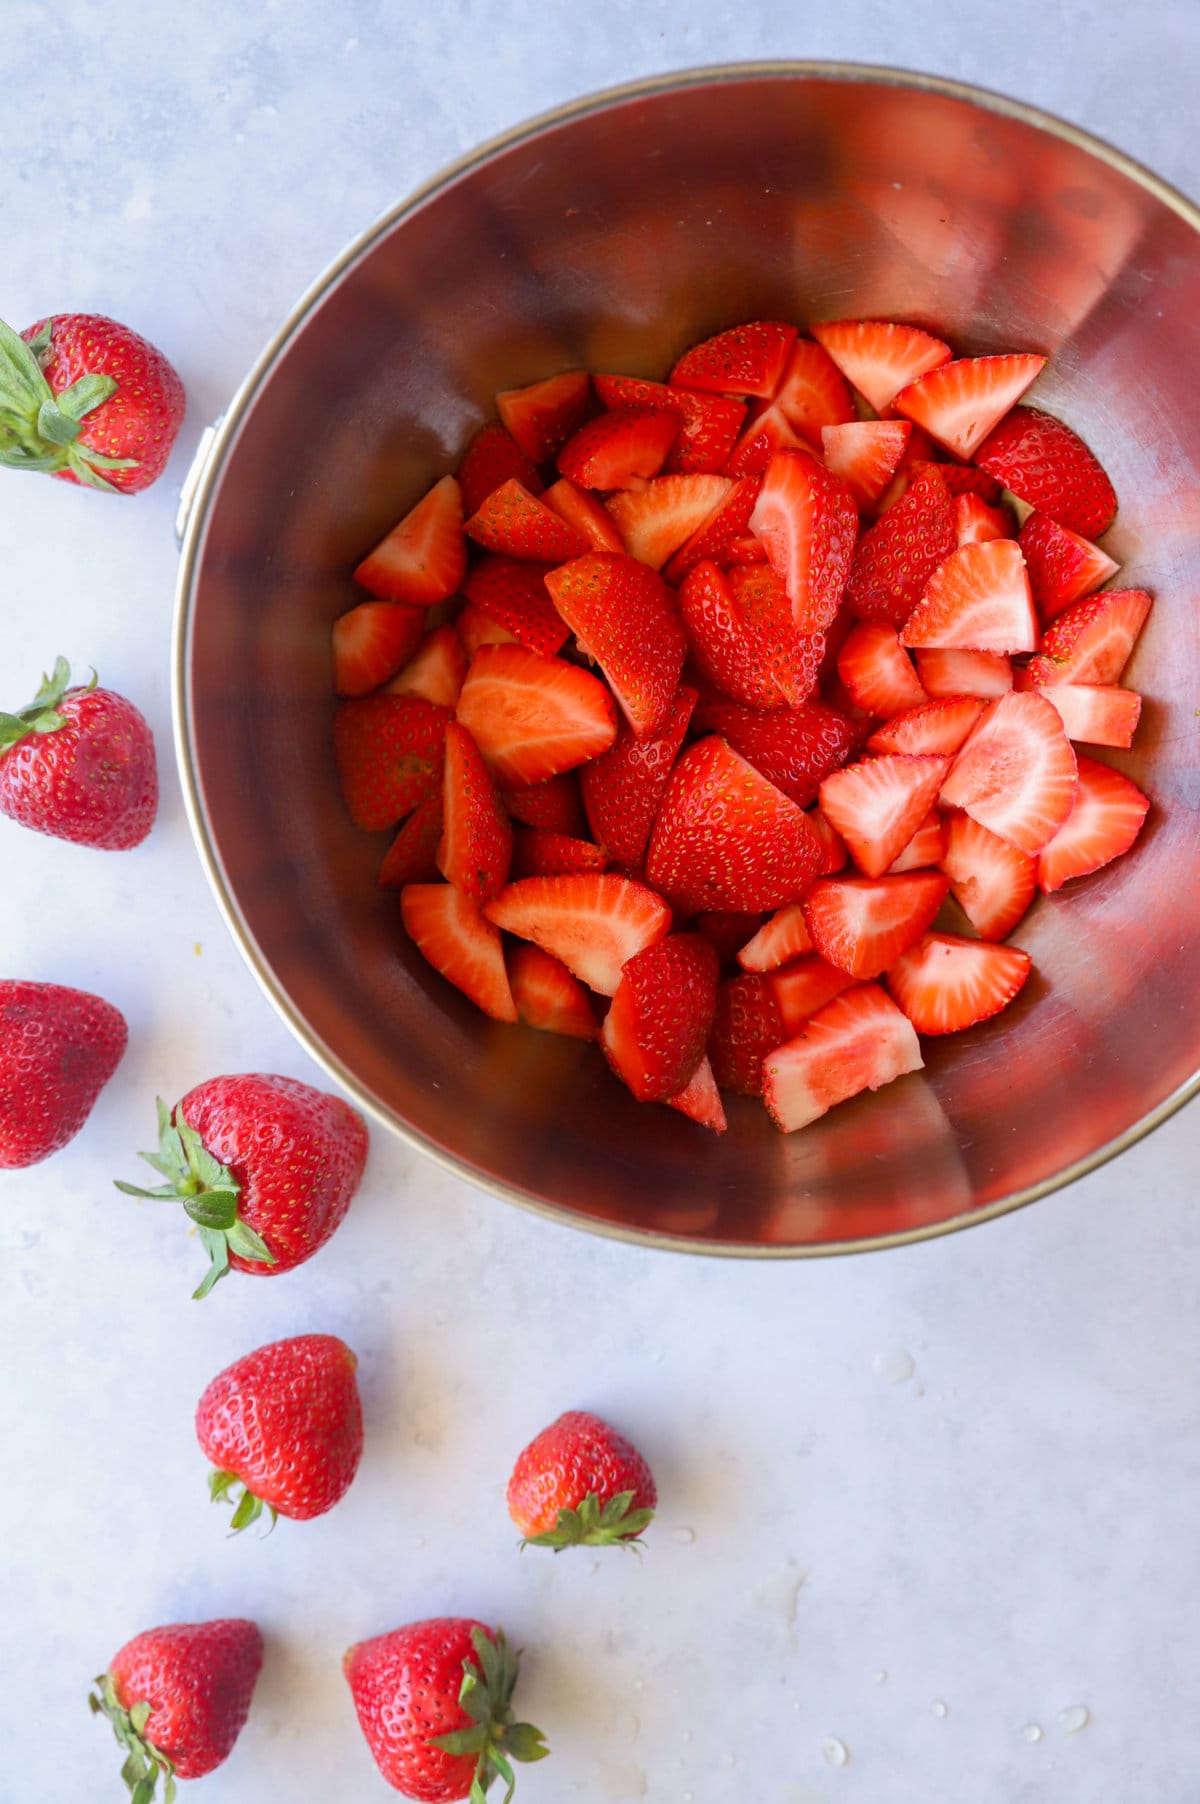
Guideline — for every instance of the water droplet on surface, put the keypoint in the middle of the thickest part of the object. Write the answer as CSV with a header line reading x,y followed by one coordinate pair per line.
x,y
836,1752
939,1708
896,1366
1074,1718
685,1735
637,1684
684,1536
1032,1731
880,1677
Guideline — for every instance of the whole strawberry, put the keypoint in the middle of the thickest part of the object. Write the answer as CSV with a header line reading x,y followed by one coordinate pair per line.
x,y
177,1698
58,1049
88,401
284,1426
79,764
434,1701
579,1482
265,1166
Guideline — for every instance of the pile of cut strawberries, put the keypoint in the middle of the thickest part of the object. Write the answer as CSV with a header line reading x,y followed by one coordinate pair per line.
x,y
745,729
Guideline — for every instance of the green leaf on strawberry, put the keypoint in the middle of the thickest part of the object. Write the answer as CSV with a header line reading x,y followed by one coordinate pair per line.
x,y
144,1763
595,1525
486,1697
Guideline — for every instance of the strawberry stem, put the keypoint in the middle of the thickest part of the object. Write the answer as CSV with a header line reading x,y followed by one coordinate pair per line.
x,y
223,1487
143,1761
486,1696
41,714
39,430
591,1525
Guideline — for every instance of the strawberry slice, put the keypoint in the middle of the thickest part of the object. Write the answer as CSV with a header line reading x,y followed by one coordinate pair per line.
x,y
834,856
654,521
877,807
965,479
700,1100
436,671
945,983
746,1026
593,921
745,550
729,521
615,449
389,751
514,593
920,454
477,838
726,838
978,600
1105,821
793,748
880,357
371,642
540,854
860,1041
976,522
896,558
745,360
806,518
727,930
475,628
412,855
532,717
708,424
745,662
543,416
992,882
554,804
624,616
863,924
951,675
939,727
877,671
803,987
813,393
1092,640
1096,713
422,559
864,453
623,788
657,1028
767,430
547,996
1048,465
494,457
517,524
585,513
451,934
927,847
769,632
1062,566
784,937
959,403
1016,773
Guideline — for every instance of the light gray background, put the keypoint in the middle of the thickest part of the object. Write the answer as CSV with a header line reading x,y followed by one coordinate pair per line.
x,y
1012,1530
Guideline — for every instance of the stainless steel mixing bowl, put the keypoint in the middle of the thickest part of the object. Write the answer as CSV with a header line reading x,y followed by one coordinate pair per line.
x,y
610,235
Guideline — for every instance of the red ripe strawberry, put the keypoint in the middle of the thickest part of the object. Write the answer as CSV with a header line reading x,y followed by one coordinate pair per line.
x,y
879,357
926,847
708,424
477,838
727,931
959,403
516,524
878,806
728,522
412,855
793,748
89,401
514,593
436,671
1103,824
622,788
746,1026
623,616
79,764
494,457
807,520
940,726
475,628
946,983
538,854
784,937
745,360
593,922
726,653
700,1100
450,934
976,522
1062,566
952,675
793,657
434,1701
389,751
860,1041
533,717
586,513
422,559
992,881
965,479
877,672
1096,713
283,1430
813,394
58,1049
804,986
1092,640
978,600
554,804
1048,465
371,642
864,453
614,449
863,924
547,996
178,1698
543,416
580,1483
266,1167
896,558
657,1028
833,851
1015,775
767,430
655,521
727,838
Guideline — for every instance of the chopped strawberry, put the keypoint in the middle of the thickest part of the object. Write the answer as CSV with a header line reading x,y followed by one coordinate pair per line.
x,y
477,837
879,357
700,1100
920,454
437,669
813,393
877,671
554,804
745,550
940,726
585,512
726,838
657,1028
784,937
730,520
615,448
978,600
860,1041
1062,566
878,806
513,592
769,632
708,424
959,403
864,453
543,416
965,479
494,457
516,524
1048,465
951,675
977,522
927,847
863,924
746,1026
449,931
749,661
593,922
475,628
547,996
1096,713
412,855
622,789
803,987
834,856
532,717
945,983
421,560
1103,824
727,930
896,558
371,642
1092,640
793,748
624,616
389,751
745,360
654,521
992,882
767,430
540,854
1015,775
807,520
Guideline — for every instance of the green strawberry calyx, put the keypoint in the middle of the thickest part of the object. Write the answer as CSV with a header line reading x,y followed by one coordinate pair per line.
x,y
224,1487
208,1191
143,1761
41,715
486,1696
39,430
593,1524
